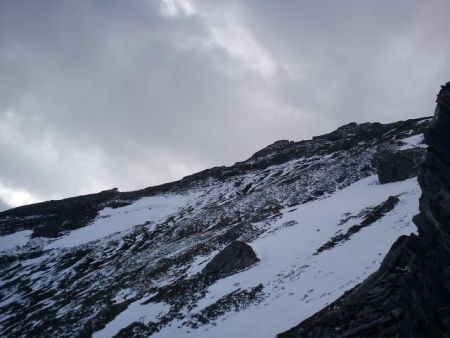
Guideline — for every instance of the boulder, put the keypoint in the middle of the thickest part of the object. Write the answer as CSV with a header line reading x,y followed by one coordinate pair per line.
x,y
399,165
236,256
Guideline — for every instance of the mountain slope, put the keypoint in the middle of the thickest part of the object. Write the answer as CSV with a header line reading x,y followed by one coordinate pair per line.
x,y
129,263
409,295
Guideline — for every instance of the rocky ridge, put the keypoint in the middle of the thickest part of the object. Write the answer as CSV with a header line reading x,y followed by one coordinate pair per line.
x,y
409,296
54,218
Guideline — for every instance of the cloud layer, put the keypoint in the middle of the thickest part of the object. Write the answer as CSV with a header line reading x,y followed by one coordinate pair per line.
x,y
97,94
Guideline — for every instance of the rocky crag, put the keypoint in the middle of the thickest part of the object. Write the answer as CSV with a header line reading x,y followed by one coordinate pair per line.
x,y
409,296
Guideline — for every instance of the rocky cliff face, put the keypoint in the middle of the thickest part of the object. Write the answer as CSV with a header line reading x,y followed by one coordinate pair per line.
x,y
409,296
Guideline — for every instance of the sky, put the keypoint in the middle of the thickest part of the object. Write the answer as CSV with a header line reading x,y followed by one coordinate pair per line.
x,y
100,94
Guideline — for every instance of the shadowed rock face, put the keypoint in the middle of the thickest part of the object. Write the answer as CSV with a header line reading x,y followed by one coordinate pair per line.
x,y
399,165
409,296
236,256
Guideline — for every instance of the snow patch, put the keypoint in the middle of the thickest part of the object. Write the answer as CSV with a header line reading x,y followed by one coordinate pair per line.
x,y
199,263
415,141
19,238
298,283
109,221
136,311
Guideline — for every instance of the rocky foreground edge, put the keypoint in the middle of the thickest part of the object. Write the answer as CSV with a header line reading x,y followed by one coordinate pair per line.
x,y
409,296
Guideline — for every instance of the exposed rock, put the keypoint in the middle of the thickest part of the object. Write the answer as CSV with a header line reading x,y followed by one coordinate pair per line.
x,y
343,138
233,301
409,296
394,166
53,218
371,217
236,256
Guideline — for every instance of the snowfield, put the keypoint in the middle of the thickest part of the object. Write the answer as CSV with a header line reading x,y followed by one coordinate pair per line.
x,y
298,283
135,311
415,141
149,210
16,239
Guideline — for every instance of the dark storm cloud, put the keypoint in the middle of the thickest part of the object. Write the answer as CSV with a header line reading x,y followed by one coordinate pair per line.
x,y
96,94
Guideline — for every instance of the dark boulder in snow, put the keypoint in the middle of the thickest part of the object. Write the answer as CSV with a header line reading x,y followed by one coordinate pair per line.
x,y
236,256
399,165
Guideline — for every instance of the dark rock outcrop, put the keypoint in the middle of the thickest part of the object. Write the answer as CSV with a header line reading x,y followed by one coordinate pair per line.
x,y
409,296
53,218
372,216
236,256
343,138
394,166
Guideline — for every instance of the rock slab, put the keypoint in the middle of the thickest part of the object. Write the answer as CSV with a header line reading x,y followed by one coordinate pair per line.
x,y
400,165
236,256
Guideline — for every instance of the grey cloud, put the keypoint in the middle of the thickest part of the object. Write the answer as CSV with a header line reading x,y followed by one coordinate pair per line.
x,y
364,60
3,206
98,94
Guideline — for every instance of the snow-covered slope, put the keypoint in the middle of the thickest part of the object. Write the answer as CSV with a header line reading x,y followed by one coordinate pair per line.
x,y
409,295
296,282
129,264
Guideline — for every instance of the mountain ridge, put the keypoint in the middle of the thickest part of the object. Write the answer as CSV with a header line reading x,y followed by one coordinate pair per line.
x,y
86,269
279,152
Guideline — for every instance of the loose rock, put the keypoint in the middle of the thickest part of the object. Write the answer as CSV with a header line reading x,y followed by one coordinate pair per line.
x,y
236,256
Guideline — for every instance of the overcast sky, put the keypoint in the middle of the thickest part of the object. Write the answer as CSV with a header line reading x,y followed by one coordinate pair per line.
x,y
128,94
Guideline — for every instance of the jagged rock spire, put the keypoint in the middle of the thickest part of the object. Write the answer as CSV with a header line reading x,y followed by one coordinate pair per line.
x,y
434,178
444,96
